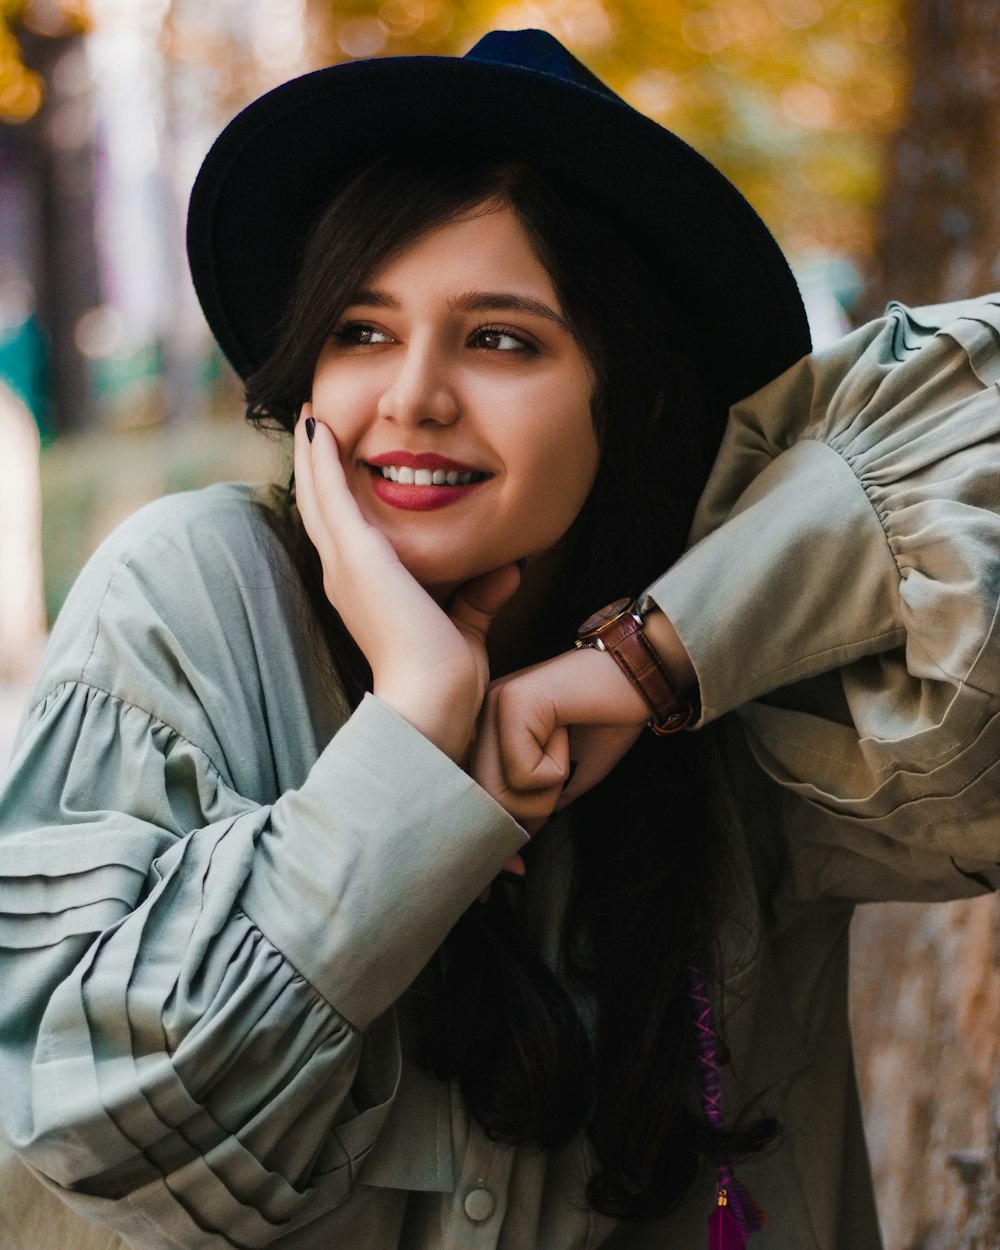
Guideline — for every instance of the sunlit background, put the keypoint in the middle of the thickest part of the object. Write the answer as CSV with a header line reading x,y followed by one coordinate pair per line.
x,y
107,107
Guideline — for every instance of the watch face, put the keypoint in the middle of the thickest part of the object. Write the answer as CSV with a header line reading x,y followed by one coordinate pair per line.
x,y
603,617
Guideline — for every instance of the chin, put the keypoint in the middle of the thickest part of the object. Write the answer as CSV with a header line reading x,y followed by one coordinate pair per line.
x,y
438,578
442,578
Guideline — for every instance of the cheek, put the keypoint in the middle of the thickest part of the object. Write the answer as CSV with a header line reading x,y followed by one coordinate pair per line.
x,y
341,403
580,475
576,449
565,463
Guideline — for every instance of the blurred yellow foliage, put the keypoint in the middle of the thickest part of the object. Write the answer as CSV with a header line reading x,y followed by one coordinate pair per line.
x,y
791,98
21,89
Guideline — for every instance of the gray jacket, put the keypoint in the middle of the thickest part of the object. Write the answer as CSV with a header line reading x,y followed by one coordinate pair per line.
x,y
216,886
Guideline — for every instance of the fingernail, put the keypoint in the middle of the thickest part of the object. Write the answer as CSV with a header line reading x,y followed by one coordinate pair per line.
x,y
515,878
310,428
569,775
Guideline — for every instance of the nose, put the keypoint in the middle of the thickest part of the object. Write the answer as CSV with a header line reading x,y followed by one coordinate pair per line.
x,y
420,390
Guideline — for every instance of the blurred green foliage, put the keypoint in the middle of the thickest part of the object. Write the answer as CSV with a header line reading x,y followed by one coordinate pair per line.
x,y
93,481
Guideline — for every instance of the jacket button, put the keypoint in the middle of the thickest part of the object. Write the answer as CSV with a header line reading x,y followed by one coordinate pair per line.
x,y
479,1204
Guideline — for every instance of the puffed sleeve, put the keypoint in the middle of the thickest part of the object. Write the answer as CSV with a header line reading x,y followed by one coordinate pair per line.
x,y
841,592
205,919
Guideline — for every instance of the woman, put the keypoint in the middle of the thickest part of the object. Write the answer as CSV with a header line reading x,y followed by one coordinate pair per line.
x,y
262,987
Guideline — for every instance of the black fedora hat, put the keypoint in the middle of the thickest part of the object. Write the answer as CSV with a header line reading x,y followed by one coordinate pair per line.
x,y
518,94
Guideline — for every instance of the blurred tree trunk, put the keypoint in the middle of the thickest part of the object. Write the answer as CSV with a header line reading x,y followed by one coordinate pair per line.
x,y
939,236
925,1002
55,153
926,981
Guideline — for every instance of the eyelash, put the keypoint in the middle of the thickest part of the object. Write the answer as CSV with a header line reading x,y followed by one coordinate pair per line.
x,y
525,344
349,334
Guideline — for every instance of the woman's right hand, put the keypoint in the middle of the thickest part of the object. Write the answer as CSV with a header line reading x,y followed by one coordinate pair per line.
x,y
428,665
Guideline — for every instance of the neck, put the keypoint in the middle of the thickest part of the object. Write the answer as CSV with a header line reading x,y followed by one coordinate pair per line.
x,y
520,625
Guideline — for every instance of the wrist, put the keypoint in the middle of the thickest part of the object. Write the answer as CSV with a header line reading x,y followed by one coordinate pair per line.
x,y
616,690
619,630
667,642
445,722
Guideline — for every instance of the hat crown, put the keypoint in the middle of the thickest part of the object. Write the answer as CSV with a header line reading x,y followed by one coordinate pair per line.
x,y
538,51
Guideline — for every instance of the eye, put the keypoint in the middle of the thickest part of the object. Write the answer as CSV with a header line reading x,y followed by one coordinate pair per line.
x,y
500,339
360,334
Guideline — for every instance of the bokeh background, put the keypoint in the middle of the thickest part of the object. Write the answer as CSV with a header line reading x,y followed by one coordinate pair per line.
x,y
865,132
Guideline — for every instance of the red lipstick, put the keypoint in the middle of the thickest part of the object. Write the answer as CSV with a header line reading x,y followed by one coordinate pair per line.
x,y
423,498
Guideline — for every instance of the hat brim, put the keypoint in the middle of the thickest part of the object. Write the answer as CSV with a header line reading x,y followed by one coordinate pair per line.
x,y
284,157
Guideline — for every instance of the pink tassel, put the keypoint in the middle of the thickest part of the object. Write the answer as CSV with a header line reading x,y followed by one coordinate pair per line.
x,y
749,1213
724,1232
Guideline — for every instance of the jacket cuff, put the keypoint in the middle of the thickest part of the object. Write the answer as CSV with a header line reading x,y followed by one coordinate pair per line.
x,y
364,869
757,603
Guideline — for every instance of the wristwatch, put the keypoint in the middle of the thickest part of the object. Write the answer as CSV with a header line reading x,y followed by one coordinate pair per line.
x,y
617,629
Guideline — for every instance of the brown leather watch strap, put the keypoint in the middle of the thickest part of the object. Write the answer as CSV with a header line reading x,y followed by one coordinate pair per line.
x,y
617,629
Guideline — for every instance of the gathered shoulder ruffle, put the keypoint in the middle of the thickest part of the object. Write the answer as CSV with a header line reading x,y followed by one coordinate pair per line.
x,y
843,584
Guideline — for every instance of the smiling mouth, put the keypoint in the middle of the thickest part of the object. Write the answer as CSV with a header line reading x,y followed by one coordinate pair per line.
x,y
404,475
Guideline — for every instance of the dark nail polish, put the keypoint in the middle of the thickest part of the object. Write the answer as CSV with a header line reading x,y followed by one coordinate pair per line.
x,y
515,878
569,775
310,428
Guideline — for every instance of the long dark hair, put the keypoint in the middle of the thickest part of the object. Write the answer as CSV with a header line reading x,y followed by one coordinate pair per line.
x,y
649,863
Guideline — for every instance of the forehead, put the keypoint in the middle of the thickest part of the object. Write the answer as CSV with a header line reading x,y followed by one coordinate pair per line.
x,y
480,248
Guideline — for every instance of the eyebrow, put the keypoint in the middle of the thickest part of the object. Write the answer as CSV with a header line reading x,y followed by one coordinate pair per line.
x,y
472,301
506,301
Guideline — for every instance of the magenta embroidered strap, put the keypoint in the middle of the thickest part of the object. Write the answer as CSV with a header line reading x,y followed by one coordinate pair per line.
x,y
736,1215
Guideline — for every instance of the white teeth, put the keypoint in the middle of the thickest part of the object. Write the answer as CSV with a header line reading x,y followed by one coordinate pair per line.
x,y
426,477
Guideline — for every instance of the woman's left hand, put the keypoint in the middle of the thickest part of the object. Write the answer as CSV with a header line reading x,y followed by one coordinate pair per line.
x,y
549,733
